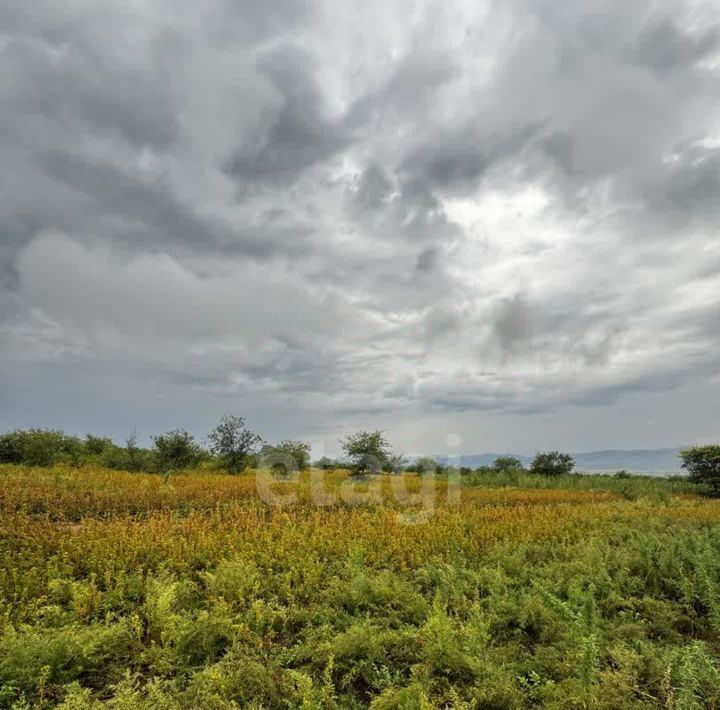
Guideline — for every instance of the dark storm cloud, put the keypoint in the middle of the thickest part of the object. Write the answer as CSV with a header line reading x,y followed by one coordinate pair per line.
x,y
300,134
142,209
114,191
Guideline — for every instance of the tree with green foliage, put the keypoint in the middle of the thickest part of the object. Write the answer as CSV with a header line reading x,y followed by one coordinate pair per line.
x,y
703,465
97,445
286,456
175,450
424,465
552,463
42,447
233,443
368,451
504,464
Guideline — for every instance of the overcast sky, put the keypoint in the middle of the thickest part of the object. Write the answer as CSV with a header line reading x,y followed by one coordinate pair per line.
x,y
480,226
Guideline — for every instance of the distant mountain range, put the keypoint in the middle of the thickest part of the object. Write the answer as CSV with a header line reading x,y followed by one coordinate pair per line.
x,y
658,461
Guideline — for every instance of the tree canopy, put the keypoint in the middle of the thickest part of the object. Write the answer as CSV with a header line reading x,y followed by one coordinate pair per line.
x,y
368,451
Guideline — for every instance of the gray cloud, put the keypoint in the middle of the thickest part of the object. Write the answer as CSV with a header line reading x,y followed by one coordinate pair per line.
x,y
665,47
515,324
299,133
77,84
245,21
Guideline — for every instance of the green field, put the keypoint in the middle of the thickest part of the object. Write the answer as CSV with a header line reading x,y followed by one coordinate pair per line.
x,y
205,590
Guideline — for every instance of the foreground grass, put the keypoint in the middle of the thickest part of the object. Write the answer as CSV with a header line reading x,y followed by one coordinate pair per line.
x,y
214,591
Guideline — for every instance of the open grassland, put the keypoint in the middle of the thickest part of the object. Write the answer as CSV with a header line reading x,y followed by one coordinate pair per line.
x,y
215,591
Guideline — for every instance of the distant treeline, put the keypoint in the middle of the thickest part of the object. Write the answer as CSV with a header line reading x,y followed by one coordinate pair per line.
x,y
230,446
233,447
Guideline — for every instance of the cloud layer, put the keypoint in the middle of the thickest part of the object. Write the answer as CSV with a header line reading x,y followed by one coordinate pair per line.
x,y
480,218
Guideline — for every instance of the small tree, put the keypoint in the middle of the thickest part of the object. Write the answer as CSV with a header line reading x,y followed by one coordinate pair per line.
x,y
425,464
504,464
176,450
703,466
552,463
286,455
368,451
233,443
133,452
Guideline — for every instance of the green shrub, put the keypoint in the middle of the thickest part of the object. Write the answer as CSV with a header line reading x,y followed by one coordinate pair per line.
x,y
97,445
40,447
94,653
552,463
503,464
12,446
703,465
119,459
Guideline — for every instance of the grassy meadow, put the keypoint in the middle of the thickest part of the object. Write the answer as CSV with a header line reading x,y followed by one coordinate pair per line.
x,y
206,590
